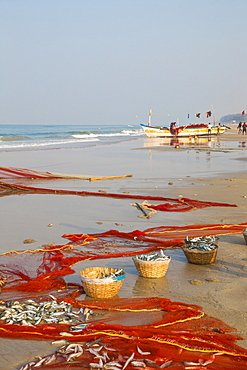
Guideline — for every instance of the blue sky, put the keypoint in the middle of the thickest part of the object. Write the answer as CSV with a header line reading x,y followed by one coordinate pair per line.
x,y
108,61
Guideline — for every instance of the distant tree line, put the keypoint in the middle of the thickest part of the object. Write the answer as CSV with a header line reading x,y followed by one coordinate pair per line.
x,y
230,118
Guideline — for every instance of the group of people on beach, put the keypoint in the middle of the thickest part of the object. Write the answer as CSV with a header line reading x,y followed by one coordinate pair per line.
x,y
242,128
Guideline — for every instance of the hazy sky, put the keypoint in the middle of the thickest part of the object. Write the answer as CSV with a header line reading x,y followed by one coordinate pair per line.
x,y
108,61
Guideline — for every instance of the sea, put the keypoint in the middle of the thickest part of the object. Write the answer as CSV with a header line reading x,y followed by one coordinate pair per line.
x,y
33,137
203,158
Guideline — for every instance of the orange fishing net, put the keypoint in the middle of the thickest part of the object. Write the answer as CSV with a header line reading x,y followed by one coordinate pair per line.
x,y
121,333
154,331
175,335
43,269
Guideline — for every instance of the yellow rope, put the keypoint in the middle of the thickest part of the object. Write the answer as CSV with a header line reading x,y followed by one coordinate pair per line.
x,y
42,250
198,229
184,320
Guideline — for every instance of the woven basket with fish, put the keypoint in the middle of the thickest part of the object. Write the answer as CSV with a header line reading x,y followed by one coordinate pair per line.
x,y
201,250
152,265
102,282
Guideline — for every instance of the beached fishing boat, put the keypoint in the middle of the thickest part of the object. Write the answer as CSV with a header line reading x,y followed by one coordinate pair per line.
x,y
189,130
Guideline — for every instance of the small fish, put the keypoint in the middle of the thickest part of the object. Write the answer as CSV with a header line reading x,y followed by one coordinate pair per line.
x,y
166,364
188,363
128,360
150,363
65,333
28,365
90,344
74,347
50,359
142,353
78,327
95,353
98,348
98,366
40,362
138,364
71,356
112,363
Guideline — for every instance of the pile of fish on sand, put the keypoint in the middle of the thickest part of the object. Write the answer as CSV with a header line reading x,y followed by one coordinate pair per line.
x,y
31,313
101,357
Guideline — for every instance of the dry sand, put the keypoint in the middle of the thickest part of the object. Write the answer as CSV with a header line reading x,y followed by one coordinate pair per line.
x,y
28,216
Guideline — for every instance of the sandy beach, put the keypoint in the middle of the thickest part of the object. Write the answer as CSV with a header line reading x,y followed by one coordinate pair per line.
x,y
214,173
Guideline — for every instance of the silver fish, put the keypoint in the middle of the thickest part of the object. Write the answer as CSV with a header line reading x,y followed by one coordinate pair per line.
x,y
71,356
138,364
141,352
112,364
50,359
128,360
166,364
98,366
40,362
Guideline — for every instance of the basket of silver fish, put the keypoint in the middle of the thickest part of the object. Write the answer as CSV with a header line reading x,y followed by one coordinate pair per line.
x,y
152,265
201,250
102,282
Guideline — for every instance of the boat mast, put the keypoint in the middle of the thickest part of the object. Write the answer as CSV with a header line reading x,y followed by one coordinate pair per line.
x,y
150,117
212,108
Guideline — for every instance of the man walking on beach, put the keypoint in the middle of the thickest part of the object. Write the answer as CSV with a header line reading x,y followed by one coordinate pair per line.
x,y
239,127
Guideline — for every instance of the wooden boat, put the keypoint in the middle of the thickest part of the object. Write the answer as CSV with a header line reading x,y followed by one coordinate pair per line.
x,y
190,130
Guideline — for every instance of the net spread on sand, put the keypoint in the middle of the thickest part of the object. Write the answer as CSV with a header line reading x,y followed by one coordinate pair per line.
x,y
154,331
174,205
119,333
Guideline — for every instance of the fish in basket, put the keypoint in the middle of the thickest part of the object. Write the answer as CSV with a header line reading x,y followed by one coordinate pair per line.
x,y
152,265
201,250
102,282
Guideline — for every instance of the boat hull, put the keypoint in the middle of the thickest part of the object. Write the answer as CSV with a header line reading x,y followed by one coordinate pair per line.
x,y
191,131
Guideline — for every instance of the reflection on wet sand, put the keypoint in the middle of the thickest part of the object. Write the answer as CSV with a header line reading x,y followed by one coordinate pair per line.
x,y
146,286
187,141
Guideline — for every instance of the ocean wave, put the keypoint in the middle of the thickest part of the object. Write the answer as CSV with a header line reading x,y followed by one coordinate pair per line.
x,y
34,144
13,138
18,137
110,134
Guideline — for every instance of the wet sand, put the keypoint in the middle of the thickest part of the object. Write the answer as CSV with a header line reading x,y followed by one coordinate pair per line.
x,y
31,216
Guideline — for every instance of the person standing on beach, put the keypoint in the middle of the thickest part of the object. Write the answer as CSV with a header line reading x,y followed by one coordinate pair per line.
x,y
209,128
239,127
244,128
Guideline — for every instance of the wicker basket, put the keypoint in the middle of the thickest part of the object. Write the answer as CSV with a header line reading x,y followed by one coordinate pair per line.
x,y
151,269
200,257
101,288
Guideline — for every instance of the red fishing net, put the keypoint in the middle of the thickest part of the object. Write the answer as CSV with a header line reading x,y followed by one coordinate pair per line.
x,y
174,205
154,331
118,333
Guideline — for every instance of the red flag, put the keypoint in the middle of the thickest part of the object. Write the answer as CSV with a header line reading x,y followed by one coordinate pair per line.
x,y
243,112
